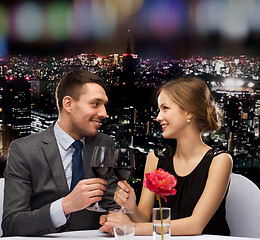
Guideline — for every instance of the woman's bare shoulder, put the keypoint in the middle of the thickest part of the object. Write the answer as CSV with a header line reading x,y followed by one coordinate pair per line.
x,y
151,162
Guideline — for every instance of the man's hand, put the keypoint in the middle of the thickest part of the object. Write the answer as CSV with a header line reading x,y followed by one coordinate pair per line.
x,y
86,192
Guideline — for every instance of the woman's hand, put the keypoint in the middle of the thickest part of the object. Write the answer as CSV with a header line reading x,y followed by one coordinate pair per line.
x,y
113,219
104,228
125,196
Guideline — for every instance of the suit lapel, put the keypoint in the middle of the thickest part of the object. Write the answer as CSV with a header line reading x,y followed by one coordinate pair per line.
x,y
53,158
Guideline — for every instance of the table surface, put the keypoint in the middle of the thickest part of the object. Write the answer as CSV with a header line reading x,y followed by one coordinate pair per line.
x,y
97,235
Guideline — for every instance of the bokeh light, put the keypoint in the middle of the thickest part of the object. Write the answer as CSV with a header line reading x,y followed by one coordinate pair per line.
x,y
28,22
82,20
59,20
3,46
153,23
103,19
254,16
3,31
163,19
234,20
207,16
124,9
3,20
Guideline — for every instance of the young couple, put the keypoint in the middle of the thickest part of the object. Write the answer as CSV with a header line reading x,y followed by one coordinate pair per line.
x,y
39,199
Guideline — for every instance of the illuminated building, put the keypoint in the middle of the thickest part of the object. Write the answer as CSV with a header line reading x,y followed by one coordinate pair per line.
x,y
5,113
15,110
41,121
43,95
130,62
20,107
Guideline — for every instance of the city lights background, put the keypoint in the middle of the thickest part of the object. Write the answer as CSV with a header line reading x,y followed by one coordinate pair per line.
x,y
210,37
175,28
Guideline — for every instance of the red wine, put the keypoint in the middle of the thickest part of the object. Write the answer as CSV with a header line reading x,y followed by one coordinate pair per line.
x,y
101,172
123,173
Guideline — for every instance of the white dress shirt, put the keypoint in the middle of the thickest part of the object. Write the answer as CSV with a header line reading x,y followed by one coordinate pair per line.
x,y
66,149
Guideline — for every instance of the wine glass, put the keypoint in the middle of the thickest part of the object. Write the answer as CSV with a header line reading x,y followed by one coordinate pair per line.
x,y
124,164
101,164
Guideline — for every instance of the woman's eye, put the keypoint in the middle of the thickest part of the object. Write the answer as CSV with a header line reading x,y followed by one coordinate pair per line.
x,y
165,108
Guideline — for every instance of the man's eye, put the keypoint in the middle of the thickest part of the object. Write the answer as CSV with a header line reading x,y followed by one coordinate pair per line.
x,y
95,104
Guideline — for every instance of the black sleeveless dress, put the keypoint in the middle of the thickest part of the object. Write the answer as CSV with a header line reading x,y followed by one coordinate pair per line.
x,y
189,189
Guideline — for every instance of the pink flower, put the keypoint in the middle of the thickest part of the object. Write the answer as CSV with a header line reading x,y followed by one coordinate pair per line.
x,y
161,183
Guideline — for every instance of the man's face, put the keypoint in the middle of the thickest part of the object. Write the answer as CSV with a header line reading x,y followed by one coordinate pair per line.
x,y
88,111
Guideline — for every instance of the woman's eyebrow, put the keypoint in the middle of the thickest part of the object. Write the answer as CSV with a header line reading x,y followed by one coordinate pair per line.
x,y
161,105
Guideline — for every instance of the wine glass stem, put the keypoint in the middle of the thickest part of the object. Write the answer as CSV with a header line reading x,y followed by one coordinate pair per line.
x,y
96,205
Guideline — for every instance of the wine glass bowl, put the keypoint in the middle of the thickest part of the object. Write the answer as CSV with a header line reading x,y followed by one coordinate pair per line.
x,y
101,172
124,165
101,165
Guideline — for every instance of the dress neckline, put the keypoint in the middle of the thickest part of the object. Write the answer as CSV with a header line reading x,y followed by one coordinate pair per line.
x,y
194,169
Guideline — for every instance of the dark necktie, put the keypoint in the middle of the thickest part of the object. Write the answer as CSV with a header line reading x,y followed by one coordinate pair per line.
x,y
77,164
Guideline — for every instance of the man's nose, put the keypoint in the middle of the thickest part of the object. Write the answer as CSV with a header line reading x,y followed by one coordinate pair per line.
x,y
103,112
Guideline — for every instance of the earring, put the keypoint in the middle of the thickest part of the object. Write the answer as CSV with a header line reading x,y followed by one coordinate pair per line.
x,y
188,120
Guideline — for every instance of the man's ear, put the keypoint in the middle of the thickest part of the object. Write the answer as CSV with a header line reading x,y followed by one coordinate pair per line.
x,y
67,103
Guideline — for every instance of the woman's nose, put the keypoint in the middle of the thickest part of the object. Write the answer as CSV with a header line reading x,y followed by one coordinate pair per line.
x,y
159,117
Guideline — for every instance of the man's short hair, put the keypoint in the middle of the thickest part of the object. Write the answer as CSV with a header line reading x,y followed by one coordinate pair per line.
x,y
71,85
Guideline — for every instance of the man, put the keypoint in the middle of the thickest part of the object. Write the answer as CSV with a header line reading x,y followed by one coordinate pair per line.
x,y
39,197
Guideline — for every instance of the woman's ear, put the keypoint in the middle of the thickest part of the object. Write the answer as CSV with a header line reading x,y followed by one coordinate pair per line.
x,y
67,103
189,116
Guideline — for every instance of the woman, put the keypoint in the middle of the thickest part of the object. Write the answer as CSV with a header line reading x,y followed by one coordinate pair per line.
x,y
186,111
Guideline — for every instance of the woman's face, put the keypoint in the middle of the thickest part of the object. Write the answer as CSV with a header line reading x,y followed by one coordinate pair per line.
x,y
172,118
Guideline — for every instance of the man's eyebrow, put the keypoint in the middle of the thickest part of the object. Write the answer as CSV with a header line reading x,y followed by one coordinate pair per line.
x,y
100,100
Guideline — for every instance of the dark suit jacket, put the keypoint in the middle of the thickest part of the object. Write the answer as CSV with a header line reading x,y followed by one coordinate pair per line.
x,y
34,178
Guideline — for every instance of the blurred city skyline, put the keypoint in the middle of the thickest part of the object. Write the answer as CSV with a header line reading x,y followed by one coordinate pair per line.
x,y
158,29
27,100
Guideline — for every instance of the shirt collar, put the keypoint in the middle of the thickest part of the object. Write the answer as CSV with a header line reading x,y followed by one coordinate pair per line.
x,y
64,139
